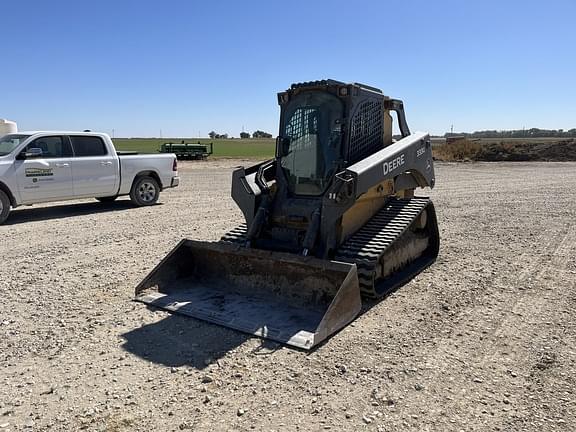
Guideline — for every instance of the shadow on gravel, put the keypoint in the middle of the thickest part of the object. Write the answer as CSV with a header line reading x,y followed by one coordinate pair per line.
x,y
31,214
182,341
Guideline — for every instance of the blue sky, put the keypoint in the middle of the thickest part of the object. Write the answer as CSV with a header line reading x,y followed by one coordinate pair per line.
x,y
187,67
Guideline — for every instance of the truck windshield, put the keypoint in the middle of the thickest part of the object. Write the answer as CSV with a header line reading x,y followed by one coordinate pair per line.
x,y
312,127
9,142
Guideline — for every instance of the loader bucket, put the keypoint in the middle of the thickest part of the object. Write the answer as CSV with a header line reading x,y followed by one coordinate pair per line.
x,y
296,300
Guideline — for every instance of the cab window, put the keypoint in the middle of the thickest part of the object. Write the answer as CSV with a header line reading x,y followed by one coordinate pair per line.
x,y
88,146
52,147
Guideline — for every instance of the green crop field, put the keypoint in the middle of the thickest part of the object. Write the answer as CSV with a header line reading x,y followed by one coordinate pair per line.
x,y
259,148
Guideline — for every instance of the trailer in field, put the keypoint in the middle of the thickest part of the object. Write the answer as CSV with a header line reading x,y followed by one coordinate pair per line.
x,y
187,150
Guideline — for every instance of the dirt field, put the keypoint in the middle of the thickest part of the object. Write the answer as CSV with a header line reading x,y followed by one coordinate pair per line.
x,y
484,340
509,150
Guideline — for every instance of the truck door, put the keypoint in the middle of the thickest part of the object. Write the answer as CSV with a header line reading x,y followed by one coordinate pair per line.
x,y
48,176
95,170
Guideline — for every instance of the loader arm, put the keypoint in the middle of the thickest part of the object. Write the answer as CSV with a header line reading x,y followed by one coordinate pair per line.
x,y
408,160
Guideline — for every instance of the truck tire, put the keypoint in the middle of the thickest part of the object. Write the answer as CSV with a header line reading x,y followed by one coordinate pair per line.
x,y
4,206
107,199
145,191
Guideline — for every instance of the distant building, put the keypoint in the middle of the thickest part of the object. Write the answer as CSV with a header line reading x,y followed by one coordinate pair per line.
x,y
7,126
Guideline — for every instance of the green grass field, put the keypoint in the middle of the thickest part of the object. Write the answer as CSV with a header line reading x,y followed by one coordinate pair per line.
x,y
228,148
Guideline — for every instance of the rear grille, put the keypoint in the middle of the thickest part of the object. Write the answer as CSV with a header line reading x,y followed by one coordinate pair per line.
x,y
366,131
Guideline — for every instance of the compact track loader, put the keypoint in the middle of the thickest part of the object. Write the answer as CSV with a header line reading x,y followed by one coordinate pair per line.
x,y
331,218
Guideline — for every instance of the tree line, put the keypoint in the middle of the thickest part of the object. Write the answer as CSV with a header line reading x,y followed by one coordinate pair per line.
x,y
517,133
243,135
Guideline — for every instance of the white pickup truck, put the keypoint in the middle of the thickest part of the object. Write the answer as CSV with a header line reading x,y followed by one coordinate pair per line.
x,y
38,167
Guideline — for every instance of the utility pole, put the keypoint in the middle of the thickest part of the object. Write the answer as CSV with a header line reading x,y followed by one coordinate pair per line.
x,y
451,129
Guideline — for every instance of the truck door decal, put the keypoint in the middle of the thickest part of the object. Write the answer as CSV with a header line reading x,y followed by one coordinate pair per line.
x,y
39,172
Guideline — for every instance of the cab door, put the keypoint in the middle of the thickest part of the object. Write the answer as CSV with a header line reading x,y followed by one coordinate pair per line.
x,y
46,176
95,169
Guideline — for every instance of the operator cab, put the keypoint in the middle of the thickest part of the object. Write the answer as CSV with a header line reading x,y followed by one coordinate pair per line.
x,y
311,139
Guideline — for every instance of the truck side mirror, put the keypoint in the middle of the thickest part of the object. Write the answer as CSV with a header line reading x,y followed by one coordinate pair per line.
x,y
34,152
30,153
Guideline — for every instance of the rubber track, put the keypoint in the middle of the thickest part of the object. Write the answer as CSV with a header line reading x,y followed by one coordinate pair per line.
x,y
367,246
237,235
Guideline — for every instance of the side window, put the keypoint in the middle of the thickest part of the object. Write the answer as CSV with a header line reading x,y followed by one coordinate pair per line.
x,y
52,147
88,146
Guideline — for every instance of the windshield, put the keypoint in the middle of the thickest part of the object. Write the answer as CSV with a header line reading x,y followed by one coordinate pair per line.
x,y
9,142
312,126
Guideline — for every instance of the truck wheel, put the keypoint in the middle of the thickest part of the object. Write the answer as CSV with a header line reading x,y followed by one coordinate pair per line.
x,y
107,199
145,191
4,206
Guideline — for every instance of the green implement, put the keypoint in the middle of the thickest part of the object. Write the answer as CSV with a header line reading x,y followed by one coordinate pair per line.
x,y
185,150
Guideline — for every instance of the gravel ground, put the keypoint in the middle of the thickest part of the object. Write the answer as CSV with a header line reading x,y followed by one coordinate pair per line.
x,y
483,340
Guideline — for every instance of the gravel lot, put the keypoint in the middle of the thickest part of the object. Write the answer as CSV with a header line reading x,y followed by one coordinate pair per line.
x,y
483,340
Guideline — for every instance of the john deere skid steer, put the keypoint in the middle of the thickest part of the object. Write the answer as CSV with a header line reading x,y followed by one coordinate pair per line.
x,y
331,218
